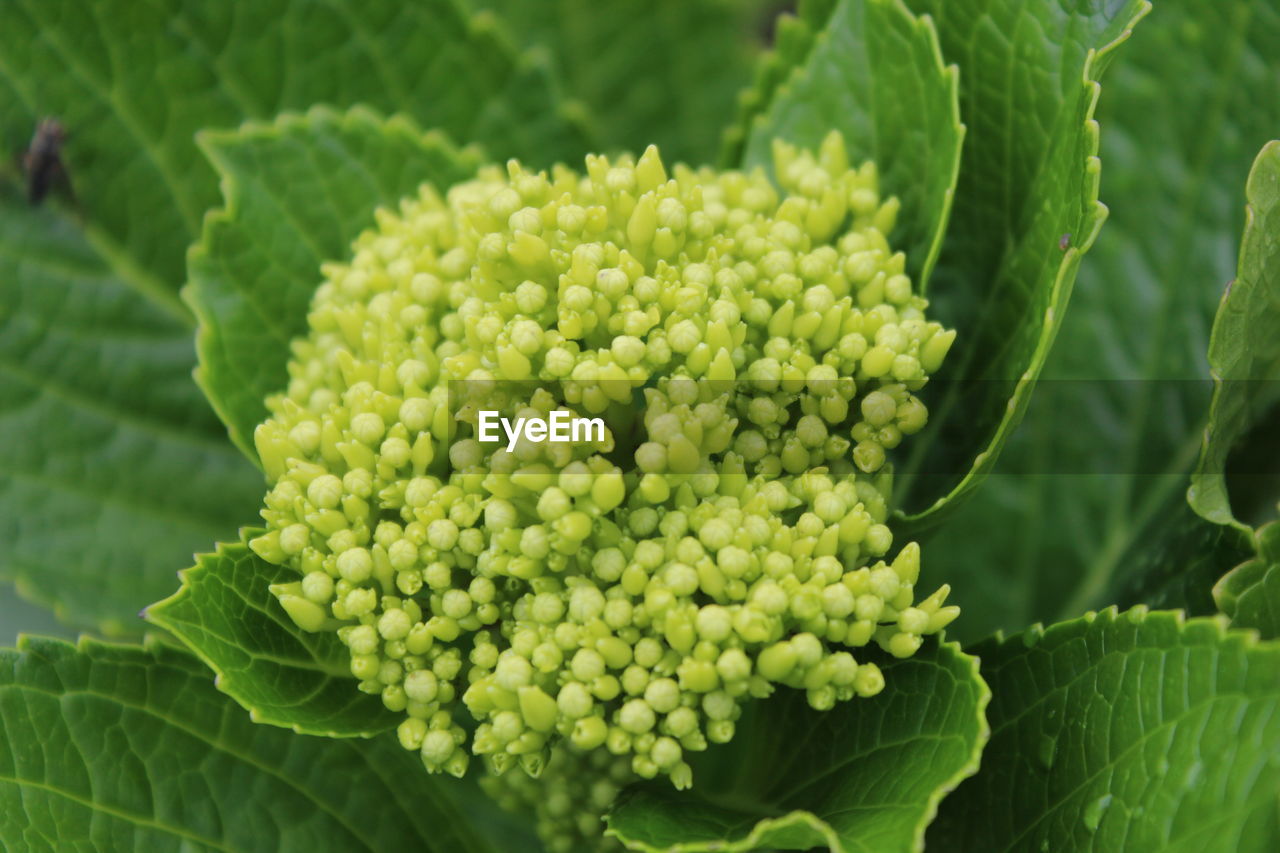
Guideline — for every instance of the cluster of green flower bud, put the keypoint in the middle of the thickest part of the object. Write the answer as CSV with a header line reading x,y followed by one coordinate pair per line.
x,y
622,597
568,800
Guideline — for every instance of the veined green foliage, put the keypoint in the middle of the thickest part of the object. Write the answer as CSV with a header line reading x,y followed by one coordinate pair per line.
x,y
111,747
1248,593
98,415
251,281
1131,730
1029,179
281,675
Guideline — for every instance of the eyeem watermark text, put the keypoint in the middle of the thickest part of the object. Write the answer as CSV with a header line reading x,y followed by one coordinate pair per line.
x,y
559,427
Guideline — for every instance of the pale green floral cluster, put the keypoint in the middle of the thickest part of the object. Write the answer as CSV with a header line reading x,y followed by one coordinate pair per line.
x,y
755,353
568,800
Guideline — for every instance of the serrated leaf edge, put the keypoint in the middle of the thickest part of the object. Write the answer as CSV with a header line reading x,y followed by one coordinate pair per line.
x,y
1033,635
951,76
208,142
1225,592
154,614
149,643
1059,296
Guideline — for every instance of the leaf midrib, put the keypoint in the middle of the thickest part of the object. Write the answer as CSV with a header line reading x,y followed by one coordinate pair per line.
x,y
185,626
95,805
47,385
157,508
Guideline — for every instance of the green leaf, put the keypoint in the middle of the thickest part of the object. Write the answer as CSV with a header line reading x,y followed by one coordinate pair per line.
x,y
649,71
1250,593
1124,731
298,192
1244,349
131,748
867,775
284,676
133,82
1094,488
1029,176
112,468
875,73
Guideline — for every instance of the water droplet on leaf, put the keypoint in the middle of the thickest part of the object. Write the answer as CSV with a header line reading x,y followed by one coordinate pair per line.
x,y
1094,811
1048,746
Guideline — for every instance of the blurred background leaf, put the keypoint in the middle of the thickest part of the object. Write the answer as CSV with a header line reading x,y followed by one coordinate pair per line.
x,y
1100,465
113,470
666,72
94,523
133,82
